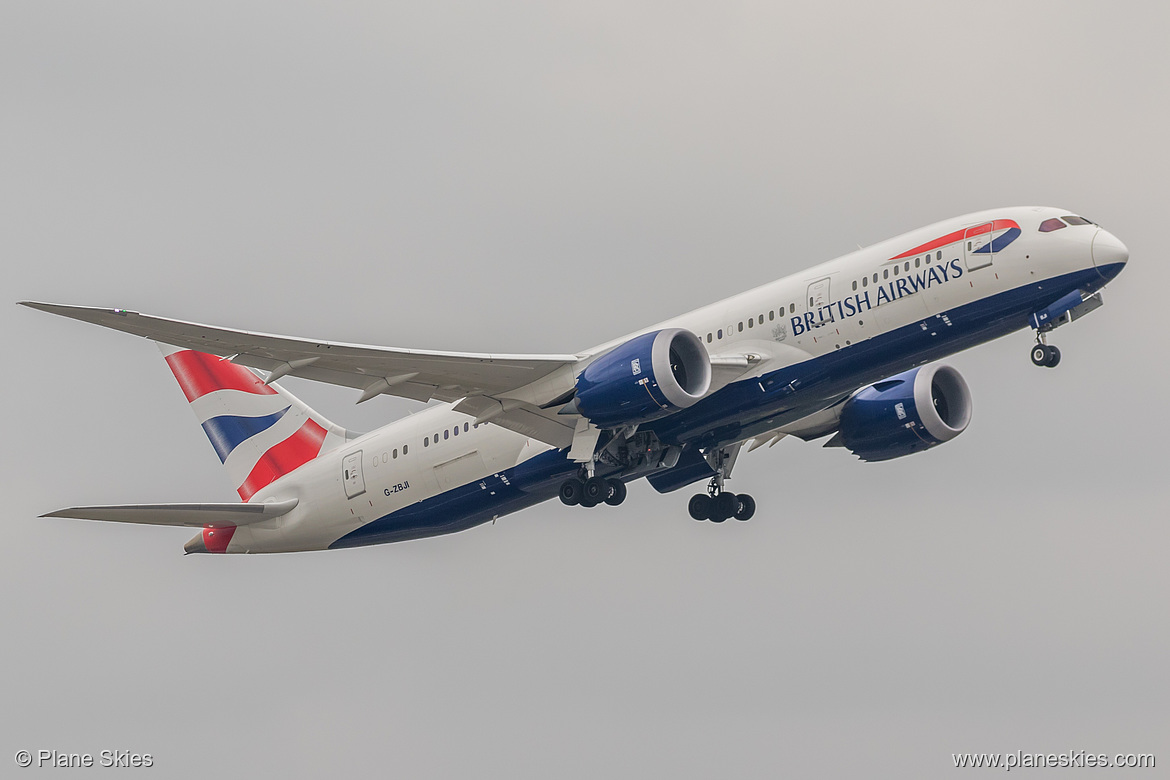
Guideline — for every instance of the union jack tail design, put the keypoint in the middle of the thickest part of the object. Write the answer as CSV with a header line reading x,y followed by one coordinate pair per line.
x,y
260,432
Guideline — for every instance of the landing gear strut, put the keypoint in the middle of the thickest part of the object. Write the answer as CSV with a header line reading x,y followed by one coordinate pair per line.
x,y
1044,354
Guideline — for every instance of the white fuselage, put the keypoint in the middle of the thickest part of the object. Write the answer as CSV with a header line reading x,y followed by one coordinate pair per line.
x,y
846,306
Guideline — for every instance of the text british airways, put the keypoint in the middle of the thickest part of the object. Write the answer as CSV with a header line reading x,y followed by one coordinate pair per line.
x,y
883,293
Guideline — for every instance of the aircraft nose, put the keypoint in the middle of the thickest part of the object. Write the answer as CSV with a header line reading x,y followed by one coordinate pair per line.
x,y
1108,251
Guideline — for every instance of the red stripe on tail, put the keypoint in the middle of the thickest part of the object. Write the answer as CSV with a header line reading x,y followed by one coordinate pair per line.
x,y
293,452
199,374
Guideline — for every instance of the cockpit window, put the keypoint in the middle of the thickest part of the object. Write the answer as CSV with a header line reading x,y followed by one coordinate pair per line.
x,y
1048,225
1077,221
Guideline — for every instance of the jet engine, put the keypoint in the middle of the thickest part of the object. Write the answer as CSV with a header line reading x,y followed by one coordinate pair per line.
x,y
648,377
907,413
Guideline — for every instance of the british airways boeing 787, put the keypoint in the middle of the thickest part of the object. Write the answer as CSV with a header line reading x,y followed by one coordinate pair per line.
x,y
843,350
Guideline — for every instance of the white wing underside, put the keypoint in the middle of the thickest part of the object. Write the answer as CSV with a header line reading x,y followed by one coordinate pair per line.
x,y
507,389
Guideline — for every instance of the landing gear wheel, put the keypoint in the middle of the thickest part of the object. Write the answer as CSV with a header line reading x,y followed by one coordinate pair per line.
x,y
617,492
571,492
1045,355
747,507
597,489
724,506
700,506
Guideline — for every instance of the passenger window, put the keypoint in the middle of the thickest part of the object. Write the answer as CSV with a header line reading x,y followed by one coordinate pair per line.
x,y
865,281
427,441
465,427
709,339
886,274
446,435
741,327
1049,225
456,430
854,285
792,308
771,316
719,332
875,278
907,268
405,448
939,257
750,321
436,438
918,262
395,455
761,319
895,270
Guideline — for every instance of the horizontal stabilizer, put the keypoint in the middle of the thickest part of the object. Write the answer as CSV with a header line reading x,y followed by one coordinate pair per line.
x,y
193,515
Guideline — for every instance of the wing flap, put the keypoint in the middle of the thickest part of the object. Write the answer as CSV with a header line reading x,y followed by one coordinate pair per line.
x,y
191,515
523,418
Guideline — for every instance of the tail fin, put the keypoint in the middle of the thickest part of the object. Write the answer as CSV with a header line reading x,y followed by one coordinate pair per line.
x,y
260,431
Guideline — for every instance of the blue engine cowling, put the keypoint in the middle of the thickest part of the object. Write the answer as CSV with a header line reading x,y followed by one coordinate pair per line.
x,y
907,413
648,377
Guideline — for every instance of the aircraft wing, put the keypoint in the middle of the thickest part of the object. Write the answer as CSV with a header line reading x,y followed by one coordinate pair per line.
x,y
192,515
408,373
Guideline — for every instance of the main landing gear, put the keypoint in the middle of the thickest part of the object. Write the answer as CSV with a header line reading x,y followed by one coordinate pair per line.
x,y
592,491
718,505
1044,354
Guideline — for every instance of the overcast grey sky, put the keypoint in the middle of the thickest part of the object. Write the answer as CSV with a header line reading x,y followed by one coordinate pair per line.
x,y
539,178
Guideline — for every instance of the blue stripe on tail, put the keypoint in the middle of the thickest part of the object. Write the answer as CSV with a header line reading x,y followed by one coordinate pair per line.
x,y
228,432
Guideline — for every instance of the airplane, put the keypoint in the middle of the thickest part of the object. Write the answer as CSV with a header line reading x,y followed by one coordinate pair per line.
x,y
843,350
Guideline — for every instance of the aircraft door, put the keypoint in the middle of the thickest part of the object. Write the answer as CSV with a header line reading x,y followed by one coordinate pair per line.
x,y
351,474
978,248
818,296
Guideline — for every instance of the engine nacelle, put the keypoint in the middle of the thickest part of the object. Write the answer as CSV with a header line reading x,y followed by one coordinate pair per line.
x,y
907,413
648,377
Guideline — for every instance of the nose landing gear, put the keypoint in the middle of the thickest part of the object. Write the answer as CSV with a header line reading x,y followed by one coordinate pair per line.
x,y
1044,354
1068,309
